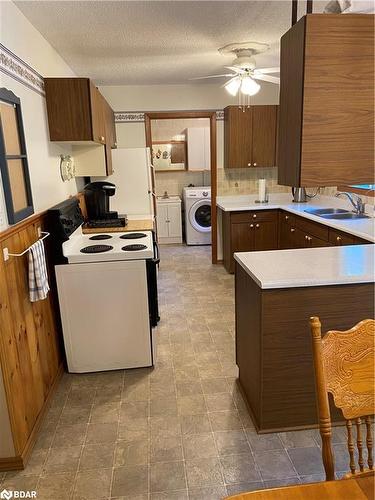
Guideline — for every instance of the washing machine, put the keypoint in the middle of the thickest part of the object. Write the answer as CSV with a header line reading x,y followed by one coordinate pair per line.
x,y
197,203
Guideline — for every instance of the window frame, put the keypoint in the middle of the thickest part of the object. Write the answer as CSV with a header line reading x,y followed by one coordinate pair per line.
x,y
8,97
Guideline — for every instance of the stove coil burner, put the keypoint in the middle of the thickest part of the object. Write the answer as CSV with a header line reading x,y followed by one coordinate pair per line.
x,y
133,236
96,249
100,237
133,248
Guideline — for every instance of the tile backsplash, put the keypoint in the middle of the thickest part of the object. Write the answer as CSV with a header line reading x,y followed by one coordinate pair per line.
x,y
174,182
245,180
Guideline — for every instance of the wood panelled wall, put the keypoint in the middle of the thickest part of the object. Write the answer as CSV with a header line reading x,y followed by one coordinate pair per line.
x,y
30,353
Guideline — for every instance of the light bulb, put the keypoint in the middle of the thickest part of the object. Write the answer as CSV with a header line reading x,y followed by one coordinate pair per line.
x,y
249,86
233,85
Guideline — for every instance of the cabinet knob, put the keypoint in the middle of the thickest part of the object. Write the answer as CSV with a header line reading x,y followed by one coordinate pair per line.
x,y
256,225
249,164
254,216
338,239
251,225
292,229
254,164
101,138
286,217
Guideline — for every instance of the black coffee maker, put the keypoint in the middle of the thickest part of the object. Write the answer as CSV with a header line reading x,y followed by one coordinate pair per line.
x,y
97,196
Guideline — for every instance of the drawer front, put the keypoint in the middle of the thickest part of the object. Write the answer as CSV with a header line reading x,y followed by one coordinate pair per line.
x,y
338,238
312,228
254,216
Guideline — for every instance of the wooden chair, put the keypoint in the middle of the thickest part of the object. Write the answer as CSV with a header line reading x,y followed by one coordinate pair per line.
x,y
344,367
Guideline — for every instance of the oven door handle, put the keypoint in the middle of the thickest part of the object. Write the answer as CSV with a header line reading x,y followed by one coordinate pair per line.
x,y
156,259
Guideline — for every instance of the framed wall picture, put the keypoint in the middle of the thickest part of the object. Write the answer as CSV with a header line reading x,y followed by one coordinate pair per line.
x,y
13,159
169,155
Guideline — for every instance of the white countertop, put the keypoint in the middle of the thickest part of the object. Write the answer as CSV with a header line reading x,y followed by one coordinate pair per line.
x,y
363,228
310,266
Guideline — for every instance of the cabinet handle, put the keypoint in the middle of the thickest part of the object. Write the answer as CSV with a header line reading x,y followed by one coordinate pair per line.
x,y
254,164
251,225
254,216
256,225
292,229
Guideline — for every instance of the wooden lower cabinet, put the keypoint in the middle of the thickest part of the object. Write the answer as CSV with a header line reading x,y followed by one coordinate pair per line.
x,y
258,230
273,346
247,232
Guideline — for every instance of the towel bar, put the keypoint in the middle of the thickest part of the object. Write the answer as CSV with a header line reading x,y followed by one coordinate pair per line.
x,y
7,254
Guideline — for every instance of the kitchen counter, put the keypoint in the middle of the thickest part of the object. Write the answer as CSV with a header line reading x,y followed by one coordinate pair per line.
x,y
310,266
132,225
362,228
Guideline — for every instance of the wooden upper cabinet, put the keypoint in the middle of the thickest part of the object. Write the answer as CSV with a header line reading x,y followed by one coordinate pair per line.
x,y
238,124
264,136
77,112
326,115
98,114
109,123
250,136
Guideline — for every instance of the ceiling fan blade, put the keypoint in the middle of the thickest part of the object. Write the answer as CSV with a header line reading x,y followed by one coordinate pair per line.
x,y
236,69
228,81
266,78
212,76
267,70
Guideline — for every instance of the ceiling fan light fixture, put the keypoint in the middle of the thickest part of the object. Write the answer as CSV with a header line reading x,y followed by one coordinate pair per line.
x,y
249,86
233,86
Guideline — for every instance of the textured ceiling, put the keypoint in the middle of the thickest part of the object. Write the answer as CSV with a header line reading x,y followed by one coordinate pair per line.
x,y
155,42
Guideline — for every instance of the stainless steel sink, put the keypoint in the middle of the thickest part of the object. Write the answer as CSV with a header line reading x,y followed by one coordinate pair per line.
x,y
320,211
344,216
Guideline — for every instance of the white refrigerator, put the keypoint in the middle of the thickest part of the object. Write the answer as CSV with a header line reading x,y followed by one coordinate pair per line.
x,y
133,176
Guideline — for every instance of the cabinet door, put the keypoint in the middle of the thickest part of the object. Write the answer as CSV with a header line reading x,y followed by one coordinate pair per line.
x,y
265,236
68,109
174,220
297,238
286,229
161,220
97,115
264,136
242,239
237,137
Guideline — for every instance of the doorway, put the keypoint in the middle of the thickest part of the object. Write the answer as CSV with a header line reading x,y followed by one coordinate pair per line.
x,y
180,157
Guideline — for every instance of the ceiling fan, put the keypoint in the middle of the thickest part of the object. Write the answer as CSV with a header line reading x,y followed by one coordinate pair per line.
x,y
244,71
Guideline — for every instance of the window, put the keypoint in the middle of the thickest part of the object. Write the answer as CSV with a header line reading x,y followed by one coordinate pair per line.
x,y
13,159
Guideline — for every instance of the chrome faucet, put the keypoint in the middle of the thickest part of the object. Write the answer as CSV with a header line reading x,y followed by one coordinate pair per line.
x,y
355,200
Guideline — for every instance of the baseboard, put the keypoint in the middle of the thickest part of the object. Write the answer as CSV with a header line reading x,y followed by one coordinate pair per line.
x,y
11,463
19,462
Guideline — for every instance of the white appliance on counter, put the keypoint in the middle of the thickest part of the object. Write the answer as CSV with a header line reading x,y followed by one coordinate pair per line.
x,y
197,201
133,177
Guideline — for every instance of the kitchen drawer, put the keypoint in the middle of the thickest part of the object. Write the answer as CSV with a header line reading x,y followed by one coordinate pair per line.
x,y
254,215
338,238
312,228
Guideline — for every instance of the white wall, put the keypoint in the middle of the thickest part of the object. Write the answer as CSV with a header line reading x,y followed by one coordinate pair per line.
x,y
19,36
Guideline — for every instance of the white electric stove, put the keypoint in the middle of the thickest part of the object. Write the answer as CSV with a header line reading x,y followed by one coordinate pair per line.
x,y
104,293
105,247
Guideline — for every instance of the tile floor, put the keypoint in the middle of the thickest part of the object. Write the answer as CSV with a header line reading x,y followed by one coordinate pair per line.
x,y
178,431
